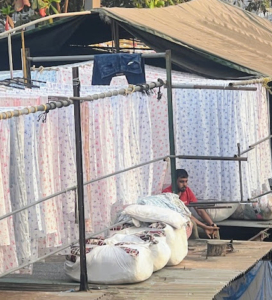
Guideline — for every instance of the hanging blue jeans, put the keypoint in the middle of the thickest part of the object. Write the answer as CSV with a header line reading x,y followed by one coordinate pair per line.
x,y
107,66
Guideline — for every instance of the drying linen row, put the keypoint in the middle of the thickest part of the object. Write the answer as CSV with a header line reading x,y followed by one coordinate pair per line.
x,y
120,132
117,133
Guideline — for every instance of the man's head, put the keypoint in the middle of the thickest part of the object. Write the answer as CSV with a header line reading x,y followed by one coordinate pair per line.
x,y
182,179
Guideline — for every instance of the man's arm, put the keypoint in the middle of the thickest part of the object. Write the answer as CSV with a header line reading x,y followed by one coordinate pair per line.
x,y
205,217
211,231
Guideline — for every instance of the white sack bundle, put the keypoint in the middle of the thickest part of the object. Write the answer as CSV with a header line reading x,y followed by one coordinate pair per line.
x,y
112,264
149,213
178,243
176,239
159,249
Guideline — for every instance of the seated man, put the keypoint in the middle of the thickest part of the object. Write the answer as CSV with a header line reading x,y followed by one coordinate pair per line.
x,y
187,196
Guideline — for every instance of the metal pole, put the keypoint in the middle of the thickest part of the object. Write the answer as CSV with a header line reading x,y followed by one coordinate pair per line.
x,y
115,28
63,15
135,88
83,57
80,186
75,187
212,87
37,202
240,172
210,157
59,249
127,169
251,147
171,119
263,194
10,56
33,109
23,55
28,66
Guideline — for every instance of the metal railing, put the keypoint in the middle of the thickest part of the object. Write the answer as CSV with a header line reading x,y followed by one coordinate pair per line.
x,y
251,147
163,158
59,249
79,187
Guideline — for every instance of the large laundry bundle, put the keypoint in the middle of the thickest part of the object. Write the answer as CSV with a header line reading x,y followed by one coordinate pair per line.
x,y
147,213
166,200
160,250
114,264
176,239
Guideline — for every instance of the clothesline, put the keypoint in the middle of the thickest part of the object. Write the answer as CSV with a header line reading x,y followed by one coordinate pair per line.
x,y
264,80
67,102
33,109
131,89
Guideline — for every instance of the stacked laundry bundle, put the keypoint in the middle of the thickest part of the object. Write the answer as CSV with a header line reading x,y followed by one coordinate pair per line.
x,y
112,263
153,238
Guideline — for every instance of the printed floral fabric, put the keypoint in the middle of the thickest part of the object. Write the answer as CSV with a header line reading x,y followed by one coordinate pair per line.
x,y
118,133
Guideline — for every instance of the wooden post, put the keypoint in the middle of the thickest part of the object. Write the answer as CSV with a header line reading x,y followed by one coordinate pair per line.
x,y
216,248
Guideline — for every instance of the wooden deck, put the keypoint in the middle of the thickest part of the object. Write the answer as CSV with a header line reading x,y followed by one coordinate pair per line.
x,y
196,277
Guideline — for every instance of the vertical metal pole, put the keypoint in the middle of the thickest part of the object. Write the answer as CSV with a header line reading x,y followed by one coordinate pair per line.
x,y
10,56
80,186
28,66
171,119
240,172
23,54
116,37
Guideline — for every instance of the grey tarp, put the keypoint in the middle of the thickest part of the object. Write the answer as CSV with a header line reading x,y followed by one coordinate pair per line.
x,y
208,37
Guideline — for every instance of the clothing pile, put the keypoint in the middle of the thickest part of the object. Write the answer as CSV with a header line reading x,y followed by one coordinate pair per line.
x,y
151,240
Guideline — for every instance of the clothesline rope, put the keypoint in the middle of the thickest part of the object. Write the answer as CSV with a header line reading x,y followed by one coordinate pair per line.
x,y
67,102
263,80
131,89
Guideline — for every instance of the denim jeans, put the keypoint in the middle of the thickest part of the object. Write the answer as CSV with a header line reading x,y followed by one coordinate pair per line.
x,y
107,66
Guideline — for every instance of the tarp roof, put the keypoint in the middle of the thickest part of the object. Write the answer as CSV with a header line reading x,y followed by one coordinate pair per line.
x,y
207,37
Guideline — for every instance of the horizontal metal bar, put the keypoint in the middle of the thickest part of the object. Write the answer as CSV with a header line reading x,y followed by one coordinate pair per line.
x,y
62,15
260,141
127,169
116,173
135,88
83,57
266,193
251,147
212,87
58,250
209,207
212,202
37,202
74,187
209,157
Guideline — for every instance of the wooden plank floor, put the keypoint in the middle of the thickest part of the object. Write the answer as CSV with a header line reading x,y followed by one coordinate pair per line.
x,y
196,277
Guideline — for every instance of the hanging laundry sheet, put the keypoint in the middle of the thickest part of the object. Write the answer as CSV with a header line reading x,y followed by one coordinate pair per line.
x,y
117,134
120,132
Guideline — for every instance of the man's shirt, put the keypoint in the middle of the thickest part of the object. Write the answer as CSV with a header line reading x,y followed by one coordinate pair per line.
x,y
186,197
